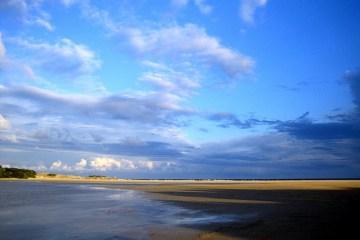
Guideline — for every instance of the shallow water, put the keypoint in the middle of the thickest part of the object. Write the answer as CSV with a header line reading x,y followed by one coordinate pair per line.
x,y
31,210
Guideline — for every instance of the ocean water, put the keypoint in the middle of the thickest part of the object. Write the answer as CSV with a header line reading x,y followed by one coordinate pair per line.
x,y
49,211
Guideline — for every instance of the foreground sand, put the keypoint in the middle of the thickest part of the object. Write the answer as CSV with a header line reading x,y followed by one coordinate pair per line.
x,y
266,209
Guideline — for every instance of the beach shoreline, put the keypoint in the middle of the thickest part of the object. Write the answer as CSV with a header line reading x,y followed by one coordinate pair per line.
x,y
276,209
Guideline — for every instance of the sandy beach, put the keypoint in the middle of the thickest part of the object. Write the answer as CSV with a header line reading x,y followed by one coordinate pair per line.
x,y
267,209
306,209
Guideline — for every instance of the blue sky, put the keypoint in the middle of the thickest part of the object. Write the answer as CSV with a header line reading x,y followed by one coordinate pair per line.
x,y
181,88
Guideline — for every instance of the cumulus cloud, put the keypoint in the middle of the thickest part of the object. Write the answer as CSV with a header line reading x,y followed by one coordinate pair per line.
x,y
58,165
64,57
147,164
106,163
248,9
103,164
81,164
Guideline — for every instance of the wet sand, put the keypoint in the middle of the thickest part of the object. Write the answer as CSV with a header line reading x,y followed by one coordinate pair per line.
x,y
265,209
262,209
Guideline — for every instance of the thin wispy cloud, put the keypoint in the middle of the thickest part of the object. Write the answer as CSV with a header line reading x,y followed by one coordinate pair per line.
x,y
64,57
2,48
27,12
188,42
202,5
248,9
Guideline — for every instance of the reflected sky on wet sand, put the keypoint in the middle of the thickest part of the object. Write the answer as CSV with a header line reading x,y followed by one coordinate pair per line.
x,y
31,210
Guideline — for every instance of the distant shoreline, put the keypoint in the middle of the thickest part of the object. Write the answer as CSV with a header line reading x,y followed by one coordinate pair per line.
x,y
81,179
45,176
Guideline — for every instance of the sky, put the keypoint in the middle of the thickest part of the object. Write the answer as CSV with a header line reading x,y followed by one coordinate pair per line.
x,y
181,88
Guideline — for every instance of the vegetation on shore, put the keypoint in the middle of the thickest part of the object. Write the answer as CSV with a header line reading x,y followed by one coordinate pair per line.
x,y
16,173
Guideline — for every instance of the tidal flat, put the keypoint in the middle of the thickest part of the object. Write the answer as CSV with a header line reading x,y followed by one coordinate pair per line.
x,y
178,209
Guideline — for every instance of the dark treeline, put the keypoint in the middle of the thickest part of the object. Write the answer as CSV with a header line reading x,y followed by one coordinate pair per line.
x,y
16,173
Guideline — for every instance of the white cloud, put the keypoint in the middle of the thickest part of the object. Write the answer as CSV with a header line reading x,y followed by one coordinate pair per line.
x,y
203,7
248,8
44,23
103,164
65,57
81,164
60,166
4,123
182,82
56,164
147,164
109,163
189,42
169,80
159,80
8,138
